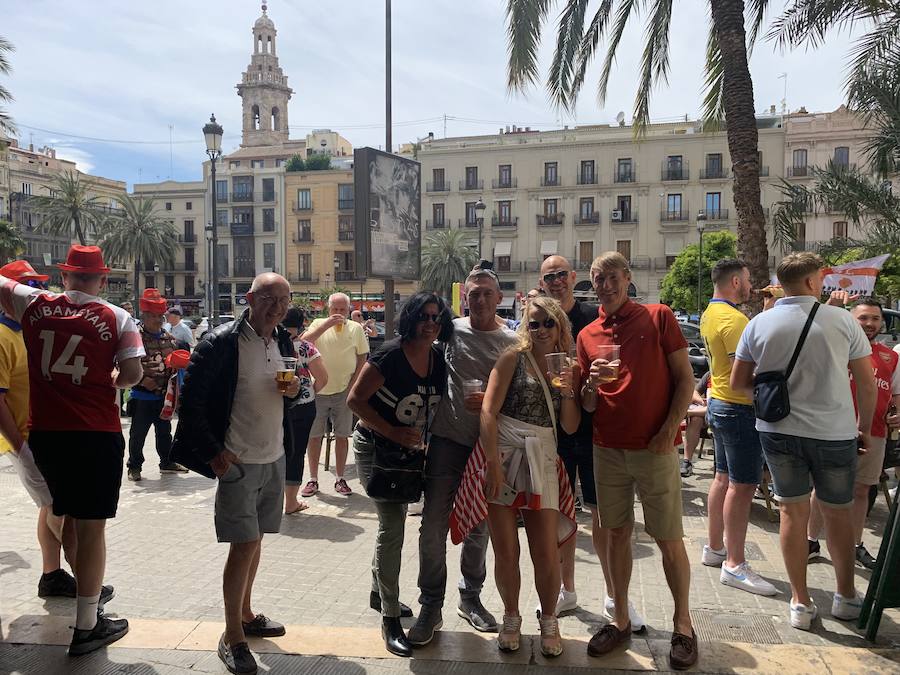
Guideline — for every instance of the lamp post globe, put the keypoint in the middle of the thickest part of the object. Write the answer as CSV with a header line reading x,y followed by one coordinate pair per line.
x,y
479,220
212,134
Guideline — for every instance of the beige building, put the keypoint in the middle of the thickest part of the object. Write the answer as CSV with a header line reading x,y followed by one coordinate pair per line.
x,y
185,205
812,140
4,176
581,191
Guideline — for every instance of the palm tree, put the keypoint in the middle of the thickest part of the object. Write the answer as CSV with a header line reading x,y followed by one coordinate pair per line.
x,y
6,123
447,257
69,207
11,243
729,88
139,234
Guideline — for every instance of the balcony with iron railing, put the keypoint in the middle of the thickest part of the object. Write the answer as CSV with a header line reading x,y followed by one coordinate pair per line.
x,y
550,181
587,178
179,267
623,216
716,214
189,238
504,184
246,270
242,196
298,278
268,196
465,222
302,238
622,175
241,229
675,171
438,187
436,224
504,221
713,173
346,275
299,207
674,215
550,219
798,172
477,184
345,204
346,235
592,218
222,197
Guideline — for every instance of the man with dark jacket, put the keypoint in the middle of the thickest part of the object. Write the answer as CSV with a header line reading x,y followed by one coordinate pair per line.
x,y
231,426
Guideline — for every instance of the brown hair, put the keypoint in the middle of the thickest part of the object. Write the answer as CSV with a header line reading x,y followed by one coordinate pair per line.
x,y
610,259
555,311
796,266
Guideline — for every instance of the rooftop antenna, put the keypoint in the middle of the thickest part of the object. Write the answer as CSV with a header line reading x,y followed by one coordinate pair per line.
x,y
784,76
171,162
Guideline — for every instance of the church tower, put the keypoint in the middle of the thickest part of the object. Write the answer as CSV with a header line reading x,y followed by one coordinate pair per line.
x,y
264,90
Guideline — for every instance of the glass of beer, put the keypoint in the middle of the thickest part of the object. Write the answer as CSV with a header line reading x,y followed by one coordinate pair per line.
x,y
557,363
339,328
285,372
610,354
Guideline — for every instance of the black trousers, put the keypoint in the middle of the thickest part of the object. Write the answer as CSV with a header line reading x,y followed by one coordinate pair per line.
x,y
146,414
301,418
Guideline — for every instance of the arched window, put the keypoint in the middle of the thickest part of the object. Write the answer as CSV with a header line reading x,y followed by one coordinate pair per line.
x,y
258,45
254,111
269,45
276,120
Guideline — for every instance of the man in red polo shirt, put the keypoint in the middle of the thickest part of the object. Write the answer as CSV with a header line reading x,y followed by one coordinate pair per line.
x,y
639,403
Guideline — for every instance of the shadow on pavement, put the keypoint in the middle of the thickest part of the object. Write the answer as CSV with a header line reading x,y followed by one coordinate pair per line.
x,y
312,526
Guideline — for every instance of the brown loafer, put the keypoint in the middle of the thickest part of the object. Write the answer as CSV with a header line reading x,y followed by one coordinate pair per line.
x,y
608,638
684,652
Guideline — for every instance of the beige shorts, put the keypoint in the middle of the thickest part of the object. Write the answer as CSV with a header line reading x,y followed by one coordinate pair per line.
x,y
869,465
618,472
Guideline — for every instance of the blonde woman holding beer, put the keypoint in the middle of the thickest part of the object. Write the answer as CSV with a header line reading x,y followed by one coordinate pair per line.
x,y
524,473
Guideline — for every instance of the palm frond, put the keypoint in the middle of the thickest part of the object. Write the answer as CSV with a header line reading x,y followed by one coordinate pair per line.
x,y
713,84
568,39
788,214
524,20
622,16
588,46
809,21
654,61
879,43
756,9
6,47
447,257
70,209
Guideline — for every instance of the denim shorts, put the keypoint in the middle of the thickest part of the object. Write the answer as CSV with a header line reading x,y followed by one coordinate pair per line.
x,y
736,441
797,464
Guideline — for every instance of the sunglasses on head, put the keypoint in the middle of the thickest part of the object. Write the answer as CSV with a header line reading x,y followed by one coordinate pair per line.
x,y
434,318
536,325
550,277
36,284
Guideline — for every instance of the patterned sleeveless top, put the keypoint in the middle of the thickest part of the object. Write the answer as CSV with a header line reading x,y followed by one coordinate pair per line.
x,y
525,400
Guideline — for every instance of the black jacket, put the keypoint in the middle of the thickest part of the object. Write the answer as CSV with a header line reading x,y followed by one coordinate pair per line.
x,y
204,411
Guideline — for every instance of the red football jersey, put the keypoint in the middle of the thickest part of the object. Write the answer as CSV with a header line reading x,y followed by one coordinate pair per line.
x,y
74,341
887,385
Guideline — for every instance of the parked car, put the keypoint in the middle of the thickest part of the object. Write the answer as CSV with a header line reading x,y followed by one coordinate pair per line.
x,y
204,326
696,348
890,332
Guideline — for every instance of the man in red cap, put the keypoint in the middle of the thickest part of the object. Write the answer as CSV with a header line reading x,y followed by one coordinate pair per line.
x,y
80,349
149,394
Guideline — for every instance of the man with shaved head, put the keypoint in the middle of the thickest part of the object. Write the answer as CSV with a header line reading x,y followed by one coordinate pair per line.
x,y
231,427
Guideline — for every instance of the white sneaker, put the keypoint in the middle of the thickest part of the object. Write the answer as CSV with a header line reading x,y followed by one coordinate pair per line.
x,y
566,602
802,615
609,611
846,609
746,579
712,557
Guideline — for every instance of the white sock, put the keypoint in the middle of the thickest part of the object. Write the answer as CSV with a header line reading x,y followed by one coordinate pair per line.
x,y
86,611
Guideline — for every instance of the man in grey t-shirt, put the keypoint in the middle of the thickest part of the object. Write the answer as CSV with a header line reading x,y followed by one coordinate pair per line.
x,y
476,343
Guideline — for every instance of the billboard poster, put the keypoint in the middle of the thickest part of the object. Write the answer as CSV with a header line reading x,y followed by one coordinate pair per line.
x,y
388,215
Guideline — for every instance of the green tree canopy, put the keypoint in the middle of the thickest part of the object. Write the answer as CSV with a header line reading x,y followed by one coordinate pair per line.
x,y
69,209
679,286
312,163
447,257
6,122
11,243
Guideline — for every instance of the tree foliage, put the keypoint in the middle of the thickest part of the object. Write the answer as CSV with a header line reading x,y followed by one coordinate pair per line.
x,y
11,243
70,209
6,122
447,257
140,234
679,286
312,163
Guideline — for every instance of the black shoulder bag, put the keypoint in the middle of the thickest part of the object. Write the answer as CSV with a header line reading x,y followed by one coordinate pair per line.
x,y
398,473
771,402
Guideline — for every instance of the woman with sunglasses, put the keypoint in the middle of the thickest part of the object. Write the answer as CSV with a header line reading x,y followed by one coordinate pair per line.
x,y
524,473
395,396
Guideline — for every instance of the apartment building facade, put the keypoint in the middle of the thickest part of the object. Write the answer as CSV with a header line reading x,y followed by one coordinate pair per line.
x,y
581,191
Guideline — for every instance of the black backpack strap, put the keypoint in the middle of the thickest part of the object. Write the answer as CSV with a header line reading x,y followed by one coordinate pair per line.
x,y
809,320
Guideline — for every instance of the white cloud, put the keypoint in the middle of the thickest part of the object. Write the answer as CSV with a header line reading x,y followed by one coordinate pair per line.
x,y
82,158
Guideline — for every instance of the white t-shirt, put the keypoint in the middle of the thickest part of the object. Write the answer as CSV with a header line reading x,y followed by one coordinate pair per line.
x,y
819,389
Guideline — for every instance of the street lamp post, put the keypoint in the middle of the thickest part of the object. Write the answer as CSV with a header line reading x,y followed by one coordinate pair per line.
x,y
479,220
209,229
212,133
701,225
337,266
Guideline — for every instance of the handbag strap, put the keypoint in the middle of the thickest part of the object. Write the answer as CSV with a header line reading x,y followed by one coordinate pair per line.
x,y
543,381
809,320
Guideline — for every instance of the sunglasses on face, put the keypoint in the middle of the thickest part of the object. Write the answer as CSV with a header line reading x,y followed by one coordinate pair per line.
x,y
547,323
550,277
433,318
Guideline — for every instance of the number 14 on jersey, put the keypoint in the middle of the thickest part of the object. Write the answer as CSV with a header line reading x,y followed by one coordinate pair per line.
x,y
67,363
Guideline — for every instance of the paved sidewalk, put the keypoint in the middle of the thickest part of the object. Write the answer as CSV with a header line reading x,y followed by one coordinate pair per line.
x,y
166,566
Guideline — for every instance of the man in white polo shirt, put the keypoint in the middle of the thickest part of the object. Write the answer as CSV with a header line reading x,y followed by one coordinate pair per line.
x,y
818,438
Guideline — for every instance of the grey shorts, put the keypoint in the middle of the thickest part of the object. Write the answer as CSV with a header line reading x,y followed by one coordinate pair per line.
x,y
249,501
335,407
33,481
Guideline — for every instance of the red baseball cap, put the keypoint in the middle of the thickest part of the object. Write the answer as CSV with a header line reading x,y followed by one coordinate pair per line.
x,y
84,259
21,270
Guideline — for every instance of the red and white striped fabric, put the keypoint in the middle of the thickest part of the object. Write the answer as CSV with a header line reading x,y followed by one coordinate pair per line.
x,y
170,403
470,505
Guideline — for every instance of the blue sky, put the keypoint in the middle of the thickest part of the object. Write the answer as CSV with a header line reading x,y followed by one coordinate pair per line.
x,y
127,71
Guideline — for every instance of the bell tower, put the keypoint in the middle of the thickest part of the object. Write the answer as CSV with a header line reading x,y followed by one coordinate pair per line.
x,y
264,90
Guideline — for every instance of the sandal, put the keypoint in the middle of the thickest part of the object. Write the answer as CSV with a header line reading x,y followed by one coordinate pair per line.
x,y
301,506
551,642
510,633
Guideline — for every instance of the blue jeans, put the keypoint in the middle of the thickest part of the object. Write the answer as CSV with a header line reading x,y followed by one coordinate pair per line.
x,y
444,467
736,441
798,464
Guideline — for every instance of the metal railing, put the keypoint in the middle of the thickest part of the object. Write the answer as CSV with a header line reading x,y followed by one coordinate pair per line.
x,y
511,221
712,173
301,206
588,218
667,215
587,179
345,275
716,214
500,184
463,222
222,198
302,238
477,184
346,235
303,278
798,172
438,187
624,216
242,196
675,171
345,204
268,196
624,176
434,225
550,219
241,229
547,181
187,238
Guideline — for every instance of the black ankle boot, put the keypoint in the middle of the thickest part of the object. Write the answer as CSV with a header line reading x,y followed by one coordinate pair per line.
x,y
375,603
394,638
